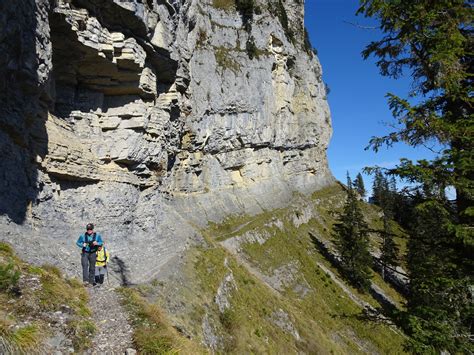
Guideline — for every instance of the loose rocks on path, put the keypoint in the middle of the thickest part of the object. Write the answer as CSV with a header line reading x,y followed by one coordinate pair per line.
x,y
114,333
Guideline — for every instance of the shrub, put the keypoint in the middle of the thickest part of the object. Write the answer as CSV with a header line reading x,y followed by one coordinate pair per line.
x,y
327,89
246,10
8,277
151,341
223,4
54,293
280,11
308,47
6,249
201,37
225,59
251,48
27,337
228,319
16,340
53,270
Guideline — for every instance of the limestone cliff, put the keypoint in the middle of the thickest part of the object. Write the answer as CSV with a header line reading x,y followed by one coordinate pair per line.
x,y
151,118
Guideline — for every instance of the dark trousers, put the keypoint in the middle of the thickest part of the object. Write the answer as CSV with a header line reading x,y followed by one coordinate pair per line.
x,y
88,267
99,279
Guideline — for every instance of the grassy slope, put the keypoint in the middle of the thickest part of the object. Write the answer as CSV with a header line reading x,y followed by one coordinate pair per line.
x,y
30,295
153,333
324,317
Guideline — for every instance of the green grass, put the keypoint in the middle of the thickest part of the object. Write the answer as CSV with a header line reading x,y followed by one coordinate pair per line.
x,y
9,268
153,333
81,331
27,337
56,292
8,277
327,320
325,302
252,303
238,225
6,250
23,338
389,290
225,59
24,306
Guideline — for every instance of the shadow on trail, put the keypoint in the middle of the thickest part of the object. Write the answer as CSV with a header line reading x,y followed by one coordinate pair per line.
x,y
122,270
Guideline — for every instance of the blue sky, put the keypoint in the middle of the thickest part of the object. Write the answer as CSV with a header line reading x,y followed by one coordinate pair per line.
x,y
357,91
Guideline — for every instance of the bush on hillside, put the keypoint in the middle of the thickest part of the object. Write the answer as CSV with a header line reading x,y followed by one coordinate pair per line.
x,y
8,277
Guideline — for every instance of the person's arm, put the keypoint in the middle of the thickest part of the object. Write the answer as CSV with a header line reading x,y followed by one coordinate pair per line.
x,y
99,240
80,241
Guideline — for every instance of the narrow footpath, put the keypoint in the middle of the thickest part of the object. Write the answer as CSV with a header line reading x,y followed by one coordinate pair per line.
x,y
114,332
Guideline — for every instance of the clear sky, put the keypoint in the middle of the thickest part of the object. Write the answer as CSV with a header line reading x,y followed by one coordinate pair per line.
x,y
357,91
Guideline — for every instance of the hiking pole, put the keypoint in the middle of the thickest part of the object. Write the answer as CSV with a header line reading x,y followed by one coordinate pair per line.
x,y
107,271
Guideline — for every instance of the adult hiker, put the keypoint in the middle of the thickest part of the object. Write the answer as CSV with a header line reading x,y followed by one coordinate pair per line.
x,y
103,257
89,242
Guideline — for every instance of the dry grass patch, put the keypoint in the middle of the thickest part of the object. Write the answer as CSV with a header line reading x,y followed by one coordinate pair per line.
x,y
81,332
226,5
153,333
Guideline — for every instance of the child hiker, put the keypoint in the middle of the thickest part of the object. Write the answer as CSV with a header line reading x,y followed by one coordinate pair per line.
x,y
101,264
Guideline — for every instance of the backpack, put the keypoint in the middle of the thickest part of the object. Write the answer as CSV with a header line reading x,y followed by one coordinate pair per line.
x,y
92,248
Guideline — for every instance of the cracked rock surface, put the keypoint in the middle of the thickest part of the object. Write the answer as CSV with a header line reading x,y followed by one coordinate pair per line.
x,y
150,119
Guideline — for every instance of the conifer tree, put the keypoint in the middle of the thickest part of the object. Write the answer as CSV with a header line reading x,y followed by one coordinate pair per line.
x,y
377,187
403,205
389,249
440,309
392,185
386,196
359,185
434,40
382,194
386,193
352,241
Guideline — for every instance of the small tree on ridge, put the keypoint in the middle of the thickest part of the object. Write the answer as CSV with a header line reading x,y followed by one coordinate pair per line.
x,y
352,241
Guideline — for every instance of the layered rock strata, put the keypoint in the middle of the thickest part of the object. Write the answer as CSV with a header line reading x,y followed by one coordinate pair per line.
x,y
151,118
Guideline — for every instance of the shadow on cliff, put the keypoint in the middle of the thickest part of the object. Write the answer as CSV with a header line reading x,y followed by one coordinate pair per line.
x,y
23,111
34,41
85,80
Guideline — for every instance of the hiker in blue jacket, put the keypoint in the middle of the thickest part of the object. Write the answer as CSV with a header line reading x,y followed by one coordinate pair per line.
x,y
89,242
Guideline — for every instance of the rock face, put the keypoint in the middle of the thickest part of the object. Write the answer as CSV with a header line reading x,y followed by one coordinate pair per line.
x,y
151,118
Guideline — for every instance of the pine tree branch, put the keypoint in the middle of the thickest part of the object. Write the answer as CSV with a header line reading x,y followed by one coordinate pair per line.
x,y
361,26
